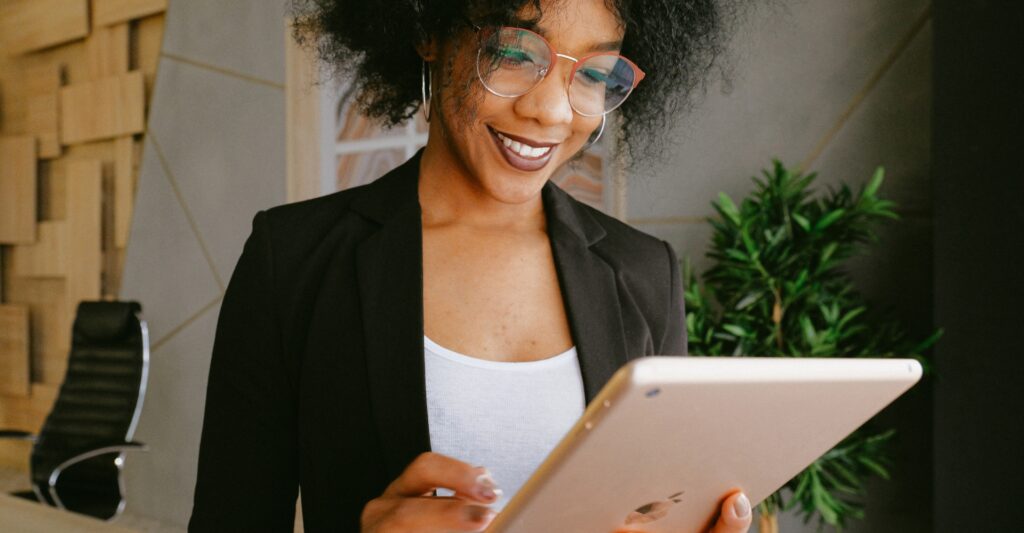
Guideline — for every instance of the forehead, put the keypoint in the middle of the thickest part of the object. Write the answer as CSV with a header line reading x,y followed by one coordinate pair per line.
x,y
573,25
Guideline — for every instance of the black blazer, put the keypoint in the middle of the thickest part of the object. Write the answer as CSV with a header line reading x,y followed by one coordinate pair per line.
x,y
317,372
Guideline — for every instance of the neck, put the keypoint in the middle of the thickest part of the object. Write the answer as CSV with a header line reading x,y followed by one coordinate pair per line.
x,y
449,195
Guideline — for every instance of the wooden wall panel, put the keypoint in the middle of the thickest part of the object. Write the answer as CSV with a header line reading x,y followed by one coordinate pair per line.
x,y
84,222
79,181
42,82
106,12
124,188
49,322
17,189
105,108
149,35
14,351
47,257
27,25
107,50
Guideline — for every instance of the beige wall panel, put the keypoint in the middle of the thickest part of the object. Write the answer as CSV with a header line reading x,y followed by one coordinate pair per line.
x,y
105,108
302,122
149,35
124,188
27,25
50,338
84,222
112,11
46,258
14,350
17,189
106,51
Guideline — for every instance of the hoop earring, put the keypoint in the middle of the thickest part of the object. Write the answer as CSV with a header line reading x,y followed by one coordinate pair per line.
x,y
600,130
424,82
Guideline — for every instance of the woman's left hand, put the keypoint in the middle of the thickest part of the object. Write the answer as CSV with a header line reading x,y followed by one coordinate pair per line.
x,y
735,515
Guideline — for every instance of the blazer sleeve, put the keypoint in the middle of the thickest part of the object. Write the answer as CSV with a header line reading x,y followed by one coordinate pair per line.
x,y
248,454
675,340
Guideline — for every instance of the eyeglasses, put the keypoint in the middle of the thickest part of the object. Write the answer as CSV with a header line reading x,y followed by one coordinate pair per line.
x,y
512,61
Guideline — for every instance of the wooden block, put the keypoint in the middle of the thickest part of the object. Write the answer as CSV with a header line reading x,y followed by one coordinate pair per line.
x,y
105,108
17,190
42,81
27,25
107,50
47,257
14,350
50,339
85,241
14,454
43,120
124,188
105,12
42,398
51,190
149,36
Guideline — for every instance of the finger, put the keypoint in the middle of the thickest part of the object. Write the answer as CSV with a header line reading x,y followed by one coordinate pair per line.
x,y
437,514
431,470
735,516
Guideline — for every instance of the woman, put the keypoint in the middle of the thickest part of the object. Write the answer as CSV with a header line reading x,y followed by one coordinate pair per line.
x,y
340,358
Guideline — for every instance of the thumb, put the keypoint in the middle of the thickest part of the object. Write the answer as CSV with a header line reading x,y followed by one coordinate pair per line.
x,y
736,515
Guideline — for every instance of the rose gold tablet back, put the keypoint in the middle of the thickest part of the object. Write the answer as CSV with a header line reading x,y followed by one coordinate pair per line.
x,y
668,436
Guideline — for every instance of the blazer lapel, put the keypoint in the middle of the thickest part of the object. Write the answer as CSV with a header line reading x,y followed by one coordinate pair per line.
x,y
589,289
390,278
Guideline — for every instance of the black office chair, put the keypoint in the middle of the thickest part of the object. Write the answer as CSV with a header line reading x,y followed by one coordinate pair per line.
x,y
78,455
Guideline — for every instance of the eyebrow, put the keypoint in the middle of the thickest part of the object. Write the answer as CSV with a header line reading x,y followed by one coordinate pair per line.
x,y
532,25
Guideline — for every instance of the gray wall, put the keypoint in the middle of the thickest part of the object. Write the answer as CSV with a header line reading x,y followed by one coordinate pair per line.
x,y
214,155
843,86
838,87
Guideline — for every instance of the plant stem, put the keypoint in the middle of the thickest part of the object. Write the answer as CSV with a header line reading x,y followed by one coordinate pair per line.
x,y
777,318
768,523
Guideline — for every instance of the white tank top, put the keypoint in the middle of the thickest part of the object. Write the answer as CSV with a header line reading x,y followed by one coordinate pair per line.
x,y
504,416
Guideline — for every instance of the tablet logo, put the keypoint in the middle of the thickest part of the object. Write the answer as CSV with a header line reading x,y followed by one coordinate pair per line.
x,y
649,512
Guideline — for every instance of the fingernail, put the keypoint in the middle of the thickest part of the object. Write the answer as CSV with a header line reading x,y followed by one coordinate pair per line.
x,y
741,506
486,488
478,514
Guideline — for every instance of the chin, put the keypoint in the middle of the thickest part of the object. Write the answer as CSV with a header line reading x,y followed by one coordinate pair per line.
x,y
512,187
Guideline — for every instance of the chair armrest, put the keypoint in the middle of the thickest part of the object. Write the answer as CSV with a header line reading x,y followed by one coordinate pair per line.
x,y
100,449
17,434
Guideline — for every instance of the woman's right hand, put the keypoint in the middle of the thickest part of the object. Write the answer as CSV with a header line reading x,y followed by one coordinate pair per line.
x,y
407,504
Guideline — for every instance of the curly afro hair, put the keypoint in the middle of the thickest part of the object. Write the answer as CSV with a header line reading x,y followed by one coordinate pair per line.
x,y
676,42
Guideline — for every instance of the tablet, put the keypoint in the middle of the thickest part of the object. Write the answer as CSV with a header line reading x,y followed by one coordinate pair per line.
x,y
667,437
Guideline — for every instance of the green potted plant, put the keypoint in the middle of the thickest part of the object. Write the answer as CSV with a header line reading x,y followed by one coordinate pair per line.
x,y
776,287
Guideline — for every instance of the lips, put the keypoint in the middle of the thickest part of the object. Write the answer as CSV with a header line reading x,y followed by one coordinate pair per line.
x,y
535,155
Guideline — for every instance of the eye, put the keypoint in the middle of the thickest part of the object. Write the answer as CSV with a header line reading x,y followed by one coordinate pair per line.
x,y
509,56
592,76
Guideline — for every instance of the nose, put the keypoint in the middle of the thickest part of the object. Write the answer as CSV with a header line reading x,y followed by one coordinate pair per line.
x,y
548,102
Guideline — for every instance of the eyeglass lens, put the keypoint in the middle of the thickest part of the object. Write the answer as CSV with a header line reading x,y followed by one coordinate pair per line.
x,y
513,61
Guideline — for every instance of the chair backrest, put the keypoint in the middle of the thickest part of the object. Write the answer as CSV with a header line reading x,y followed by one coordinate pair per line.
x,y
98,404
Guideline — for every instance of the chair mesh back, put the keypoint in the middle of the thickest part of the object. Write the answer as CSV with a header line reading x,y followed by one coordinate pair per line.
x,y
96,403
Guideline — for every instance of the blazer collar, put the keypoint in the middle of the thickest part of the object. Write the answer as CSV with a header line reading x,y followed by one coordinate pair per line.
x,y
389,266
398,189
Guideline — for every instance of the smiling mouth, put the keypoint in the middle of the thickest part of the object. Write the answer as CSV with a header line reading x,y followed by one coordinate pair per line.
x,y
521,155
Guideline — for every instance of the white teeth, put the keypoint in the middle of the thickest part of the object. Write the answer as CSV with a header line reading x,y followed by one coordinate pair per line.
x,y
523,149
